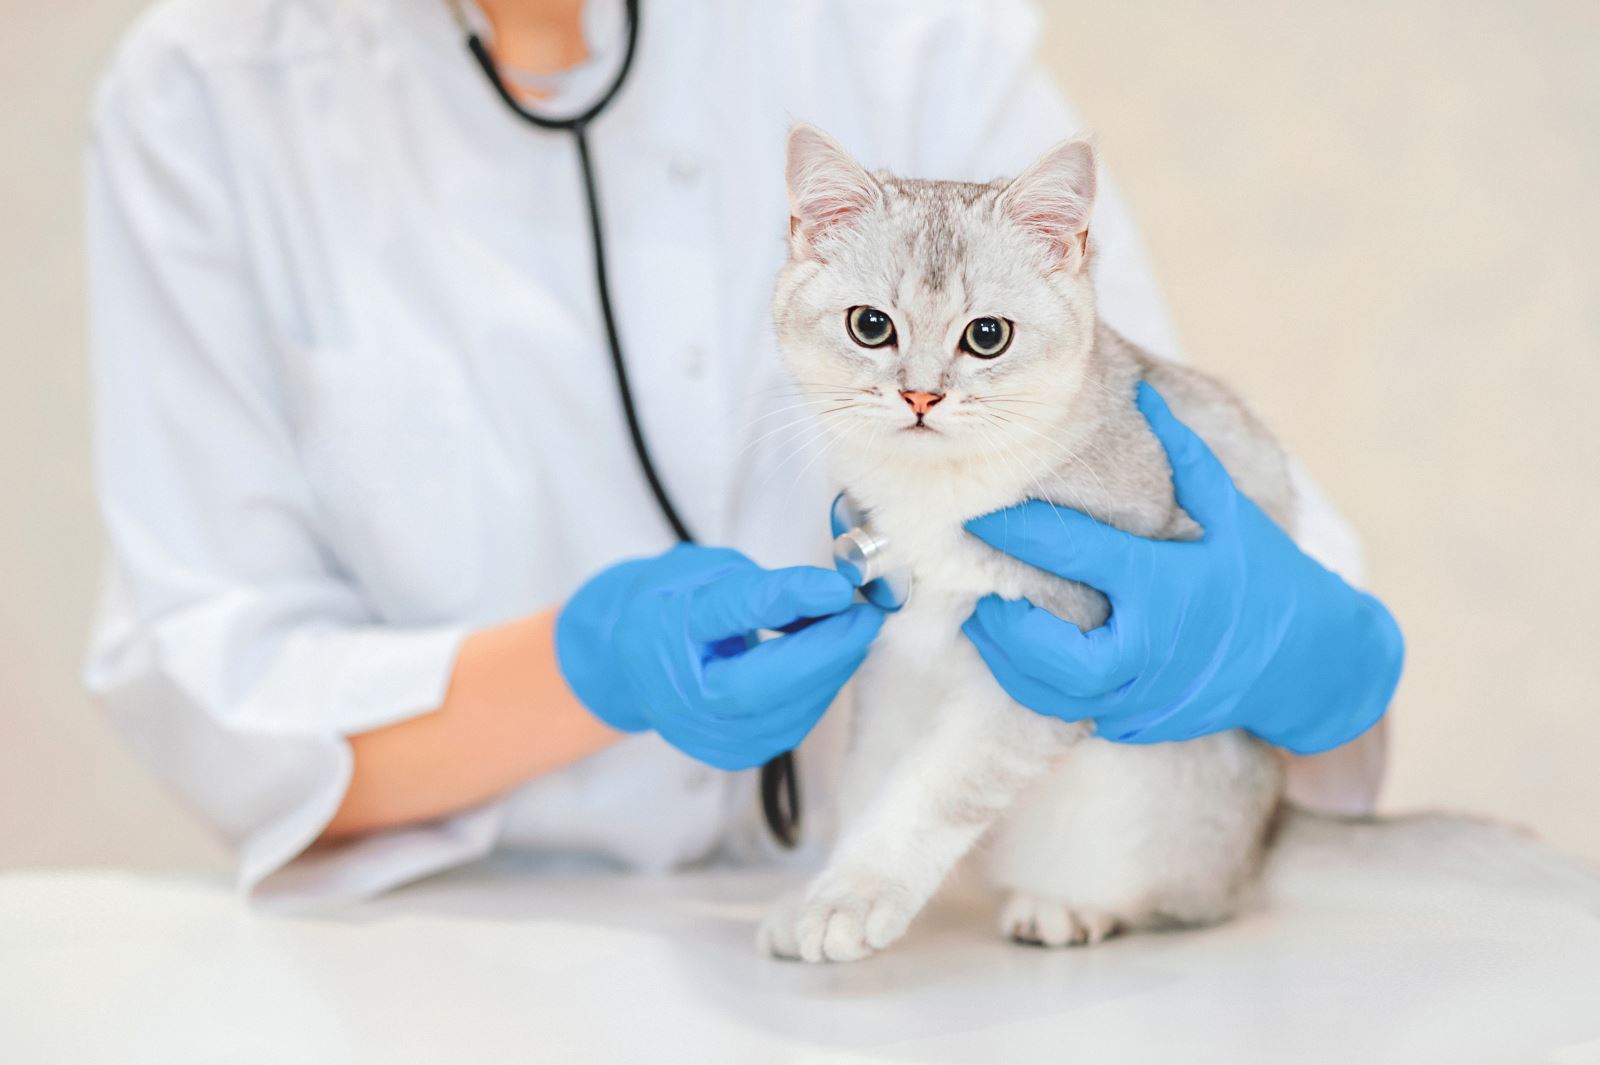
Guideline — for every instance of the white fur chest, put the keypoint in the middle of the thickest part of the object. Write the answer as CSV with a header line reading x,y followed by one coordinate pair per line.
x,y
923,519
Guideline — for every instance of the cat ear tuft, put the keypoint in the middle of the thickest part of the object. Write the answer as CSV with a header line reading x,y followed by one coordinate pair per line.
x,y
828,190
1054,198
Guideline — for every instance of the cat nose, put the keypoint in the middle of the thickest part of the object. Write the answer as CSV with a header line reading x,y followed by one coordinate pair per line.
x,y
921,402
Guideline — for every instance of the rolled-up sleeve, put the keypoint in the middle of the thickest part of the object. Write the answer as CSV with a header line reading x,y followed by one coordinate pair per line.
x,y
230,650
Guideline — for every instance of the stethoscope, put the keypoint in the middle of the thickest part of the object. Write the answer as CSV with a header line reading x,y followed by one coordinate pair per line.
x,y
578,126
867,556
780,789
856,551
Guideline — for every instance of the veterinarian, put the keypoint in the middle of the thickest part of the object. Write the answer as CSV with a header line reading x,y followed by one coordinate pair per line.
x,y
369,488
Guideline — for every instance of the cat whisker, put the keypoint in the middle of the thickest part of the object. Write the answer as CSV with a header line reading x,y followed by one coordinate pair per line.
x,y
1078,501
989,453
1060,448
1011,397
806,420
1004,404
872,443
823,432
817,398
809,402
829,446
1040,422
1010,410
1090,444
815,386
1027,471
805,390
762,403
1103,387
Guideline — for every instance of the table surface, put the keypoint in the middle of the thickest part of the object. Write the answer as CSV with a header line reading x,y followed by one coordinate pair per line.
x,y
1416,942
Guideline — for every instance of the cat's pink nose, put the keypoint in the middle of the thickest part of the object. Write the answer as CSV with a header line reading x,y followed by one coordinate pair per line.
x,y
921,402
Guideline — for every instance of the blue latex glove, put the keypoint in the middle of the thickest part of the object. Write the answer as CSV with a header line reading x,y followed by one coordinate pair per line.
x,y
668,644
1240,629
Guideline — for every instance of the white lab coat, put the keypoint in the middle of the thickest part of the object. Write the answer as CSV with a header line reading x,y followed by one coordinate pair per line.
x,y
352,397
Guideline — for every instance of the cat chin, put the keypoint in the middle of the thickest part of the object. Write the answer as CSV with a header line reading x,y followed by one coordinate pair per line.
x,y
945,456
941,485
909,454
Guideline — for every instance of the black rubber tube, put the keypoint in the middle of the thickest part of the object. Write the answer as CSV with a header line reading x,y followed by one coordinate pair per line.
x,y
780,786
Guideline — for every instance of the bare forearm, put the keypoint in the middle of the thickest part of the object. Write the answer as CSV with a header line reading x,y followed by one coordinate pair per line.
x,y
507,717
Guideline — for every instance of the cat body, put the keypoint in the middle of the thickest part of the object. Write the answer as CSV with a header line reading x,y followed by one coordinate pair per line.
x,y
1085,836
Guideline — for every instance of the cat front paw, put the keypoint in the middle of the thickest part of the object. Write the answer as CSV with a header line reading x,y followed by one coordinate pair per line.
x,y
1043,922
847,918
776,933
841,918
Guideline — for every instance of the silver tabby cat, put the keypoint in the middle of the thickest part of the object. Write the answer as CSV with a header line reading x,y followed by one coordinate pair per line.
x,y
949,332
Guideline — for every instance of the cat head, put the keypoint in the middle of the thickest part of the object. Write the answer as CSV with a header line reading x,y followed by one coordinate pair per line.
x,y
935,320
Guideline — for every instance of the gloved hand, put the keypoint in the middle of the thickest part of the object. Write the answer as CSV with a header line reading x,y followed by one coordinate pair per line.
x,y
668,644
1240,629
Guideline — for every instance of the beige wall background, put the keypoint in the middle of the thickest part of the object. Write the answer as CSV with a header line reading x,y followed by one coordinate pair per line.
x,y
1379,220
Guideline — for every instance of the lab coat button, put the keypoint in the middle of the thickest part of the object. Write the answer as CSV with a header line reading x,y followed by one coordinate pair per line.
x,y
684,170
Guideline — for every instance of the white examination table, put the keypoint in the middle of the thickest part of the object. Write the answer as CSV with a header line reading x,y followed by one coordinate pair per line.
x,y
1368,947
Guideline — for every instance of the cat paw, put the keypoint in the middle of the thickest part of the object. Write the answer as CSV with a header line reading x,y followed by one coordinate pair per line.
x,y
838,919
845,921
776,934
1047,923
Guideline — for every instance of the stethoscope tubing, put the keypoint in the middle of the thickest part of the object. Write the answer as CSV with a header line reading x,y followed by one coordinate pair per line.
x,y
780,789
578,126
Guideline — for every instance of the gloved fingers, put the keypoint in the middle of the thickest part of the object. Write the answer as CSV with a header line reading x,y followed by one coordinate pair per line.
x,y
755,598
746,739
1166,721
1152,721
799,662
727,742
719,752
729,646
782,728
1062,541
1199,480
1017,681
1319,735
1081,665
1219,715
767,717
689,557
1129,728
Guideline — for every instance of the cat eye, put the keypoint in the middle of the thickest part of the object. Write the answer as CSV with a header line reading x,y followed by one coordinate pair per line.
x,y
987,338
869,327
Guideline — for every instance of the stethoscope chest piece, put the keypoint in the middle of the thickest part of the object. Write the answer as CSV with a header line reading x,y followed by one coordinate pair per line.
x,y
867,558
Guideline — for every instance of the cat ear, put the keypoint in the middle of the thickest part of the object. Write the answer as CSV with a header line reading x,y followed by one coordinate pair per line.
x,y
1053,199
828,190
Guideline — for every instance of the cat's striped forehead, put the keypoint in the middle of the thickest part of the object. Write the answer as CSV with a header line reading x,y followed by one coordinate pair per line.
x,y
934,219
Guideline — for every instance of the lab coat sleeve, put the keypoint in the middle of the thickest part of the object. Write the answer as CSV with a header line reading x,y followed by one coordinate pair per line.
x,y
983,106
229,651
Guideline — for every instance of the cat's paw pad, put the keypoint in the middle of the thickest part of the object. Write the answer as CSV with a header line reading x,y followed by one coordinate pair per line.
x,y
847,919
1047,923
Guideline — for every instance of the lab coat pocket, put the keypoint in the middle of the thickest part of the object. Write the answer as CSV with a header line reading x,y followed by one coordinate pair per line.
x,y
389,441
